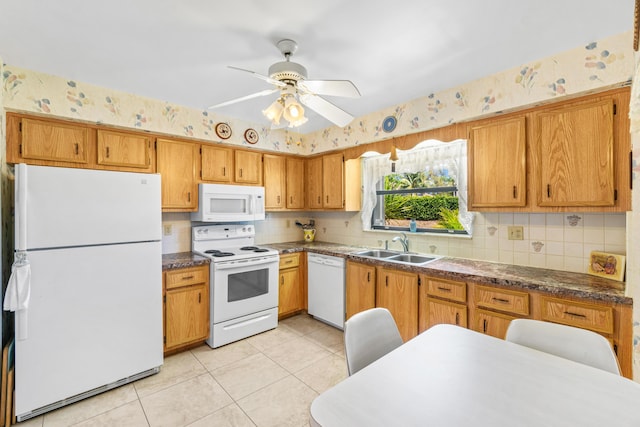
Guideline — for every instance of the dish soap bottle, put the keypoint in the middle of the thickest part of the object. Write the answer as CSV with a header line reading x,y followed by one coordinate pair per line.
x,y
413,226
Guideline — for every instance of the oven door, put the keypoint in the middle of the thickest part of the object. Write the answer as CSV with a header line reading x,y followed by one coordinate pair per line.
x,y
244,287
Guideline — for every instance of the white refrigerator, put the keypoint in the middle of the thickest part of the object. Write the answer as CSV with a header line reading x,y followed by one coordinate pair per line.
x,y
94,317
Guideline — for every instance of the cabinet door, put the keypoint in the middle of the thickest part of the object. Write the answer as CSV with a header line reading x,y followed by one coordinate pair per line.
x,y
216,163
497,164
290,294
438,311
176,163
248,167
295,183
60,142
576,155
490,323
333,181
397,291
314,182
187,315
125,150
274,181
360,288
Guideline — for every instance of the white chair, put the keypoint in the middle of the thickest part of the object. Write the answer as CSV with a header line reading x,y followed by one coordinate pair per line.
x,y
579,345
369,335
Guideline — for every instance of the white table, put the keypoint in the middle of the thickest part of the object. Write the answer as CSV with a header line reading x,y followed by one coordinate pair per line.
x,y
451,376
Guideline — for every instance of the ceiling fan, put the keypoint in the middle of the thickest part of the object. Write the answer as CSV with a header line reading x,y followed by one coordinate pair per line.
x,y
290,79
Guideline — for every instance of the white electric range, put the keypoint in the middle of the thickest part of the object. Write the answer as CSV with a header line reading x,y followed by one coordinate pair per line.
x,y
243,282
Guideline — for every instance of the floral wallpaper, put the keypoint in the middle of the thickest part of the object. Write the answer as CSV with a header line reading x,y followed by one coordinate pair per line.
x,y
596,65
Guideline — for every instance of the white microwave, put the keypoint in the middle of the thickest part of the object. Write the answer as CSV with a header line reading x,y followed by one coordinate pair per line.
x,y
229,203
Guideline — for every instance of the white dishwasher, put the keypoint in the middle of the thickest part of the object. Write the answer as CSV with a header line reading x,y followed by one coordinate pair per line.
x,y
326,288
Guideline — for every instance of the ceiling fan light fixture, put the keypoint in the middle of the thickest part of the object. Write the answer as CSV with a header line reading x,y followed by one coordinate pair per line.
x,y
274,111
299,122
293,111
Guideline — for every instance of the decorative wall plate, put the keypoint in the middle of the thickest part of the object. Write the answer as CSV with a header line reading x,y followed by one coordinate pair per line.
x,y
223,131
251,136
389,123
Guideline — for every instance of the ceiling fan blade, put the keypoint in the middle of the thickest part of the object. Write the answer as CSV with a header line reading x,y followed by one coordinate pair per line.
x,y
326,109
244,98
343,88
260,76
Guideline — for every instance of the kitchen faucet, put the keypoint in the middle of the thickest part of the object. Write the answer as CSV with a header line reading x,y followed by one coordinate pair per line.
x,y
404,241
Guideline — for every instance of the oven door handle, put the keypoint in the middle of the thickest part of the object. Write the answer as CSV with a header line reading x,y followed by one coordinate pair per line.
x,y
245,263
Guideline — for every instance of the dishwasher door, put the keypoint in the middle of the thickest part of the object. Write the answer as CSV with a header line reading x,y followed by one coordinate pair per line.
x,y
326,290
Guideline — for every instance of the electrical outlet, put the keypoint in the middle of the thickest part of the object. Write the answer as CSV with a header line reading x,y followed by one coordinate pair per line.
x,y
167,229
516,232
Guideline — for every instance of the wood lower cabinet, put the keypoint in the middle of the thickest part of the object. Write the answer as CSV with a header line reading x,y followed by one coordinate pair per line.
x,y
441,301
397,291
291,295
360,288
186,307
176,163
124,151
492,323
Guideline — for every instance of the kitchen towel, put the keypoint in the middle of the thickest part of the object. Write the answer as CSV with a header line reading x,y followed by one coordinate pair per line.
x,y
18,293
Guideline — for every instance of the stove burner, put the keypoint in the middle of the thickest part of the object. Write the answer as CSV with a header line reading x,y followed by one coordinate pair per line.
x,y
219,254
248,248
212,251
261,250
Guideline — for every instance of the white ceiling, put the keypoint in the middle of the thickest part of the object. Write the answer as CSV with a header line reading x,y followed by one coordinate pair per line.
x,y
394,51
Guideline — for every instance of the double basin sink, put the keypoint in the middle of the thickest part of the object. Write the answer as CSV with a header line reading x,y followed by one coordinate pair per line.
x,y
400,257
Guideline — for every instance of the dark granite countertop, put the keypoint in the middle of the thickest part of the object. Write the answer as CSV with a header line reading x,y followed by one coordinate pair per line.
x,y
182,260
560,283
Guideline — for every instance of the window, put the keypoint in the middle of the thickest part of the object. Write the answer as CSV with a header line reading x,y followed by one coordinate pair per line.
x,y
425,186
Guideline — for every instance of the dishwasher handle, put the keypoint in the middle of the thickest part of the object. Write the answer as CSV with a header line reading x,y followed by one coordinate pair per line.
x,y
338,262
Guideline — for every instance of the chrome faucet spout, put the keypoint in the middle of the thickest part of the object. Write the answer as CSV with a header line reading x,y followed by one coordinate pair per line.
x,y
404,241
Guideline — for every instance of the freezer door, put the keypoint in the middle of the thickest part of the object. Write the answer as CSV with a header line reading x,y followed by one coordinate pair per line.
x,y
95,317
62,207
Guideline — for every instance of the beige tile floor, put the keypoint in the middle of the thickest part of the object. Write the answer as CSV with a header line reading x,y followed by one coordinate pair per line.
x,y
265,380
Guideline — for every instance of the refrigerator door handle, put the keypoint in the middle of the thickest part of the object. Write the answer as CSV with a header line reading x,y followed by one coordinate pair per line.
x,y
21,207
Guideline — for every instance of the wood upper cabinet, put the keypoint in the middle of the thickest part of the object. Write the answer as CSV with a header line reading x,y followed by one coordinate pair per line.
x,y
275,181
497,164
397,291
576,155
52,141
295,183
216,163
176,163
360,288
186,306
314,183
124,150
333,181
248,167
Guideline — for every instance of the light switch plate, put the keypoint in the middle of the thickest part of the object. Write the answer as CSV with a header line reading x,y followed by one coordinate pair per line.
x,y
516,232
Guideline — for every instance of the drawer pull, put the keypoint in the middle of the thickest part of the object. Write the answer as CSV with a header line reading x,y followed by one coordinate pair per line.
x,y
457,318
289,261
501,300
187,277
575,314
440,288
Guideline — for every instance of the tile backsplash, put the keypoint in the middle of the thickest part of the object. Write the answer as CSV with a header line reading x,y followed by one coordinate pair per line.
x,y
559,241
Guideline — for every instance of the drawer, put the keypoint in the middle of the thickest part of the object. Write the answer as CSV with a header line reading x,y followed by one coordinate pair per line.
x,y
455,291
503,300
289,261
186,277
582,315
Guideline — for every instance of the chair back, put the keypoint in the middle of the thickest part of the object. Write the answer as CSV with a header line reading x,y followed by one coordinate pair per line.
x,y
369,335
579,345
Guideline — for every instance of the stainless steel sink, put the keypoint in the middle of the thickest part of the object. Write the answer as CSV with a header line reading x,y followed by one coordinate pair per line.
x,y
411,258
377,253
